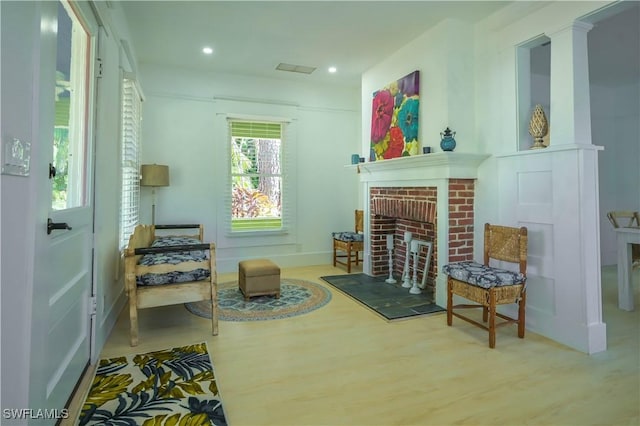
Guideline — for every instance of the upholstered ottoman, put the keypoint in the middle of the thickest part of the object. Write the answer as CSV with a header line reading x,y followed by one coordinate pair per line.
x,y
257,277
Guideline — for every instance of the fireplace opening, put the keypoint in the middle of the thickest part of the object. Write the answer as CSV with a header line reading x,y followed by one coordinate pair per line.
x,y
420,231
397,210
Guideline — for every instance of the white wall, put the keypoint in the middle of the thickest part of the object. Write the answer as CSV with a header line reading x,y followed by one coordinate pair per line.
x,y
184,128
20,34
615,125
444,57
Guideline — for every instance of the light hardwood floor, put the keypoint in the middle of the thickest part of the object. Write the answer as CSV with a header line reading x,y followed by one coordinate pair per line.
x,y
344,365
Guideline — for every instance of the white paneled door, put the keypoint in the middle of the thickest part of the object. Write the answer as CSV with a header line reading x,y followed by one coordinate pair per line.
x,y
63,278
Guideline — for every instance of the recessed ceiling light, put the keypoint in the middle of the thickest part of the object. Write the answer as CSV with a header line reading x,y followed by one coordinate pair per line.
x,y
207,50
333,70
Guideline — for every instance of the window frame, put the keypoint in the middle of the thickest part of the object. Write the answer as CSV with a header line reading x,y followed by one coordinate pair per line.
x,y
231,108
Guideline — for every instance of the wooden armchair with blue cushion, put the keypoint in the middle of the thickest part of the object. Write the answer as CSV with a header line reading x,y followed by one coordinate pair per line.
x,y
488,285
349,242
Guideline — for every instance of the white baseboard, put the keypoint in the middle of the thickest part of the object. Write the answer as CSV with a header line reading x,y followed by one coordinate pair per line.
x,y
288,260
588,338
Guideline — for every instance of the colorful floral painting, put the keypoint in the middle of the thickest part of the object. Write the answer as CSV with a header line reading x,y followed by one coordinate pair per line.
x,y
394,119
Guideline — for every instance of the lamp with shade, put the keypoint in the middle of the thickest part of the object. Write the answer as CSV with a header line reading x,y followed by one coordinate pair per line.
x,y
154,175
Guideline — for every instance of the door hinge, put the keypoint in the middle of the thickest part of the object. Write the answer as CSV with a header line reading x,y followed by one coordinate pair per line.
x,y
98,68
93,305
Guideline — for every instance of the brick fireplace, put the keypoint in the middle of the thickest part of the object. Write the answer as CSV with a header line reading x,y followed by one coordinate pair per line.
x,y
432,196
413,208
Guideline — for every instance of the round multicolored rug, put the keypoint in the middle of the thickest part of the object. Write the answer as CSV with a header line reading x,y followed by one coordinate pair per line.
x,y
297,297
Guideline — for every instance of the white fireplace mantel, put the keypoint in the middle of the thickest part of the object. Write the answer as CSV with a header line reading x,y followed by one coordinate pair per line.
x,y
439,165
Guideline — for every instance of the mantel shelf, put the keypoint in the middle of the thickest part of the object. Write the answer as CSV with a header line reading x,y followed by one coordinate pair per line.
x,y
439,165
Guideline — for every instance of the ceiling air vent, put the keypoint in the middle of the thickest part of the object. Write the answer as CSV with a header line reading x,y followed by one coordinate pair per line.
x,y
295,68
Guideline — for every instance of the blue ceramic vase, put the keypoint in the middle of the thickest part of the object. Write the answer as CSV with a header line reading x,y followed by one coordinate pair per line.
x,y
448,143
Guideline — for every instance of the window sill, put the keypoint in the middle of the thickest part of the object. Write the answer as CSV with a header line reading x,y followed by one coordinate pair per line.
x,y
265,233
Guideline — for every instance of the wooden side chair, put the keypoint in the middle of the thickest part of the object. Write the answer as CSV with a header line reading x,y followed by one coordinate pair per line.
x,y
351,243
627,219
488,285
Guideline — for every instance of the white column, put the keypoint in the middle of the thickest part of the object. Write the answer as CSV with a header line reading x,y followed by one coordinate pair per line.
x,y
589,232
570,121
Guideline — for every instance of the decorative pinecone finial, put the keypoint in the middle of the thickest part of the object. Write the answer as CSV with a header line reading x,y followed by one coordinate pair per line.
x,y
538,126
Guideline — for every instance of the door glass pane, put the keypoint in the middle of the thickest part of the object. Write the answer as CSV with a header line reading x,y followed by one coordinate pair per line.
x,y
70,133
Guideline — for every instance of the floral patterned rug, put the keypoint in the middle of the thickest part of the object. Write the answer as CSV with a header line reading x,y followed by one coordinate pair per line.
x,y
297,297
169,387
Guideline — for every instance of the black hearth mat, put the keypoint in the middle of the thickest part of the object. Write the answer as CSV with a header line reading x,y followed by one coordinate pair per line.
x,y
391,301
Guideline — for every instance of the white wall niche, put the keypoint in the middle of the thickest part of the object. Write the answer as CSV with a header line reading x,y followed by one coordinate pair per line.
x,y
533,81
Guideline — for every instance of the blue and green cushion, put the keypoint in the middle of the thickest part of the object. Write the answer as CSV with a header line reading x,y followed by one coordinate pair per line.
x,y
348,236
173,258
481,275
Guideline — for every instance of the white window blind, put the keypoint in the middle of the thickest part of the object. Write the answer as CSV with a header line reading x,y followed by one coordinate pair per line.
x,y
130,157
256,182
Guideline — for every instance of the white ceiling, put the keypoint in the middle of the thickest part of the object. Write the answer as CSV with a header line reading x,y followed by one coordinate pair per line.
x,y
253,37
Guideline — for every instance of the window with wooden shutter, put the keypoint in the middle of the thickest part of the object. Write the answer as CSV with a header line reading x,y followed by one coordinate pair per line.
x,y
130,159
